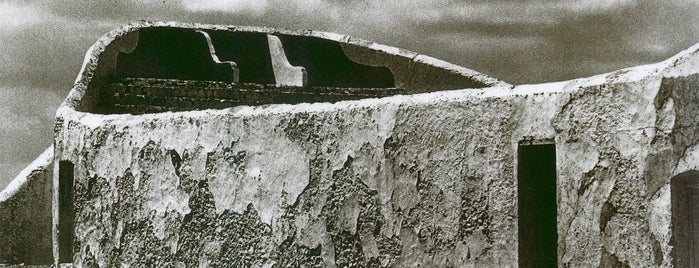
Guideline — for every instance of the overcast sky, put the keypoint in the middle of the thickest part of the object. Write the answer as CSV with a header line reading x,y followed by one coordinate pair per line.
x,y
42,43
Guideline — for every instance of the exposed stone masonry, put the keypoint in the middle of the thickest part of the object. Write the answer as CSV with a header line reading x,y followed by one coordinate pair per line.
x,y
148,95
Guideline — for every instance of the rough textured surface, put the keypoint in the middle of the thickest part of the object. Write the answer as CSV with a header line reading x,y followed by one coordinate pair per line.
x,y
426,180
403,181
146,95
25,214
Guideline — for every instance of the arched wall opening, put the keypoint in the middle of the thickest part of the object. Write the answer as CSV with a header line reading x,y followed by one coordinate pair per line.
x,y
684,190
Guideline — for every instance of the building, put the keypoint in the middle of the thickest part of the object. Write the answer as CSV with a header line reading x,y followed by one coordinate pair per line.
x,y
187,145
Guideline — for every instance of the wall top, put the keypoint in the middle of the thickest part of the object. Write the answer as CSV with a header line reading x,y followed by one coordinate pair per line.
x,y
304,54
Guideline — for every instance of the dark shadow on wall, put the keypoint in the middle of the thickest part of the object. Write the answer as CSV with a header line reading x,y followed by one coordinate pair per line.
x,y
172,53
684,189
249,51
328,66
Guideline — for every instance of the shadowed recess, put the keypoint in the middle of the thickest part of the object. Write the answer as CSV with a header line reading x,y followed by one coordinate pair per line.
x,y
249,51
328,66
172,53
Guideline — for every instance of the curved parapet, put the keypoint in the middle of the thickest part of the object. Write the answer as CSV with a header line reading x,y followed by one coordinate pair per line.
x,y
249,61
25,214
419,73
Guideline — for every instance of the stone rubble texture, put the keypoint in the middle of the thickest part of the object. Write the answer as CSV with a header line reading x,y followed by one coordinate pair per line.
x,y
422,180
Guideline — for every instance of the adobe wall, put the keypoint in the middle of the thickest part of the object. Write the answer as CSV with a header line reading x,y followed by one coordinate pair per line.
x,y
25,214
402,181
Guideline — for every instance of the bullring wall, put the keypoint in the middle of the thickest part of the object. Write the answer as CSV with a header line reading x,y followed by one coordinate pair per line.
x,y
427,179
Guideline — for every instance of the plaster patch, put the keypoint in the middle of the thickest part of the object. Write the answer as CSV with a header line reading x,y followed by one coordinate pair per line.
x,y
276,172
667,116
660,216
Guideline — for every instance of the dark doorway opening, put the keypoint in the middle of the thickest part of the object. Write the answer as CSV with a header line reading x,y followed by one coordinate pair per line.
x,y
66,212
684,189
536,196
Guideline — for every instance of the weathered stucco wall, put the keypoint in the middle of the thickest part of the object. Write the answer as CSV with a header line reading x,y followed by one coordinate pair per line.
x,y
403,181
25,214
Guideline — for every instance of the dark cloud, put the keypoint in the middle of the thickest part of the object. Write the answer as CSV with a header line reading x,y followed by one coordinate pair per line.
x,y
47,55
42,43
558,41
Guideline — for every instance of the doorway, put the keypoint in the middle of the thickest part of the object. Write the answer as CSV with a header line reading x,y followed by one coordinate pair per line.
x,y
536,196
684,189
66,211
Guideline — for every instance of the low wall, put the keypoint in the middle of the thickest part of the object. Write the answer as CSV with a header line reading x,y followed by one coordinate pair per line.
x,y
147,95
25,214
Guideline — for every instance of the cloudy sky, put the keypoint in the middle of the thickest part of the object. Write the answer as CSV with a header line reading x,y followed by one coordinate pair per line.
x,y
42,43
